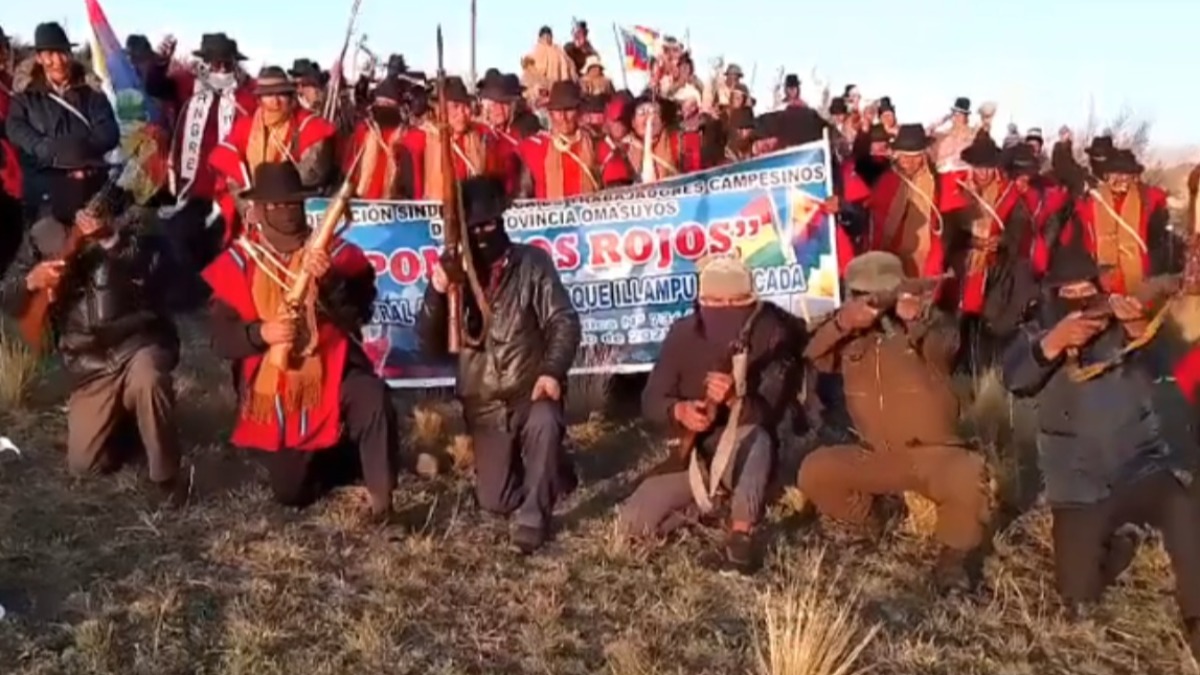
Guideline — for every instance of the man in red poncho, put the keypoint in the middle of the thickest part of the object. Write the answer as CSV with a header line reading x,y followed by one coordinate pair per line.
x,y
562,162
387,169
324,418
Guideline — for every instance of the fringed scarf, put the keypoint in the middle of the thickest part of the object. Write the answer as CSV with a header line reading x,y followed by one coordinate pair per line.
x,y
1118,244
298,389
663,157
468,147
269,140
908,231
579,148
376,144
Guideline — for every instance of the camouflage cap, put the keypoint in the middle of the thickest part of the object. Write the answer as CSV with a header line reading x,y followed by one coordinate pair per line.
x,y
726,279
874,272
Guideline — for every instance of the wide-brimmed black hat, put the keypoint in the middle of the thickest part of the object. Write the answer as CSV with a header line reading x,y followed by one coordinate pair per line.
x,y
910,138
1070,265
837,106
593,104
1023,161
564,95
50,37
1101,148
983,153
138,46
962,106
504,88
484,199
1123,161
218,47
306,71
390,88
456,91
885,105
278,183
273,81
3,37
396,65
792,80
768,125
490,76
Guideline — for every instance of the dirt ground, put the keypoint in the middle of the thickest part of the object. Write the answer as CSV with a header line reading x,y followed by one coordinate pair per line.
x,y
95,581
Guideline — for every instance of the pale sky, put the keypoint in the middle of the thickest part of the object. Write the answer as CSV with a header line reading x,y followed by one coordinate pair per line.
x,y
1045,62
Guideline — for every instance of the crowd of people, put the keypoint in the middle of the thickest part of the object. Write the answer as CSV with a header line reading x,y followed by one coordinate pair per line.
x,y
957,252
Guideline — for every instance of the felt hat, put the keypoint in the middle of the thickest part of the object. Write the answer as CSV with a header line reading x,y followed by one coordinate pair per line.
x,y
593,104
502,88
983,153
278,183
138,46
483,199
910,138
792,80
396,65
725,278
837,106
1123,161
885,105
874,272
1023,161
592,61
1069,265
878,134
273,81
741,118
388,88
50,37
734,69
218,47
1035,134
306,71
962,106
456,91
564,95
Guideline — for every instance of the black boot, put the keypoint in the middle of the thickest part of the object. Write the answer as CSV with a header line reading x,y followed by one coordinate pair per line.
x,y
741,554
528,539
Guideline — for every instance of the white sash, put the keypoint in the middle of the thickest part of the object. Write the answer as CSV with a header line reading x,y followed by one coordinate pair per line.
x,y
195,120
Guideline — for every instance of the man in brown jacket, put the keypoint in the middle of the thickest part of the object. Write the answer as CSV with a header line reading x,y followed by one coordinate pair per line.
x,y
895,356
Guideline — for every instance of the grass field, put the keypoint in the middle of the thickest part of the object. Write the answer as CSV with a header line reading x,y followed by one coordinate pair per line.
x,y
96,582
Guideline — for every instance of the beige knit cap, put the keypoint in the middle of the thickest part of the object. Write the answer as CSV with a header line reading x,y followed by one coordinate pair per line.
x,y
724,277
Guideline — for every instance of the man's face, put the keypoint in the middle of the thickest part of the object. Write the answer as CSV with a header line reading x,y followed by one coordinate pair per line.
x,y
595,72
1119,182
887,118
458,116
764,146
220,66
853,98
690,109
738,99
959,119
984,175
546,38
276,104
1021,183
497,113
880,149
593,120
647,115
309,93
733,79
581,35
792,92
56,64
564,121
617,129
909,163
1036,145
1078,290
838,120
685,70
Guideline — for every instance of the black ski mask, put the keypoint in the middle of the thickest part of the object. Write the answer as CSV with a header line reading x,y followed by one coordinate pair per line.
x,y
68,194
387,116
489,242
284,225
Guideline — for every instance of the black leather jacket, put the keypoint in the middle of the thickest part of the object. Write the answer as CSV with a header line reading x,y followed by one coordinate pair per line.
x,y
110,304
535,331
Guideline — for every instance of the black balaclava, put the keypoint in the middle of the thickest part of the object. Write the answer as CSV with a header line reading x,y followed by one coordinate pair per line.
x,y
488,246
721,326
285,226
70,194
1070,264
387,116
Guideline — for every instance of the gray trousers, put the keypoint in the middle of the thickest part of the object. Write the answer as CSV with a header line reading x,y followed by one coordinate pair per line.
x,y
521,470
664,502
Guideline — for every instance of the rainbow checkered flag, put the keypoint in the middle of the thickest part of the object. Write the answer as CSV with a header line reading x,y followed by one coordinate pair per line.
x,y
640,46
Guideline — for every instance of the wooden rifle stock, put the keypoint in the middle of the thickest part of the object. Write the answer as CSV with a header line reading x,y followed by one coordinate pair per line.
x,y
35,317
452,261
300,292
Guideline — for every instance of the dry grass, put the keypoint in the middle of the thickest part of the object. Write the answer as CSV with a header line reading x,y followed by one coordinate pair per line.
x,y
96,583
811,628
18,369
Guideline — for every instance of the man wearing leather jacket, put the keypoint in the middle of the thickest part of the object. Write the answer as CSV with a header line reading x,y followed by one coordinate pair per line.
x,y
512,369
117,341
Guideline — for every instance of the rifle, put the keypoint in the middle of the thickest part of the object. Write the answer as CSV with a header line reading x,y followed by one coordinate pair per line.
x,y
301,296
34,318
681,452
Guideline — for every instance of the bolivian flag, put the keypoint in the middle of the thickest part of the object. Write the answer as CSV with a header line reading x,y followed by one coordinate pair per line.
x,y
760,244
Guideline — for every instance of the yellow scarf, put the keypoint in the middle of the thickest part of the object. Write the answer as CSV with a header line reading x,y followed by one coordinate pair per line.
x,y
1116,245
378,143
581,151
473,154
908,232
270,141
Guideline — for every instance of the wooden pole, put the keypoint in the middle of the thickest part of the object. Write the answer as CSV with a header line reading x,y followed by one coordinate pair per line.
x,y
621,57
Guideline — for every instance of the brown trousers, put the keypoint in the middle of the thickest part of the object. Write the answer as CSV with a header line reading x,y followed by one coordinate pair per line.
x,y
142,395
843,481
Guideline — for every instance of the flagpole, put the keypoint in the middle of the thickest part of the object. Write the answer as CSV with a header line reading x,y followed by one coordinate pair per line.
x,y
621,57
474,21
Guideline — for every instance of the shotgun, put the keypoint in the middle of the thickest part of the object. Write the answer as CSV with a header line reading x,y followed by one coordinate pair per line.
x,y
300,301
34,319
